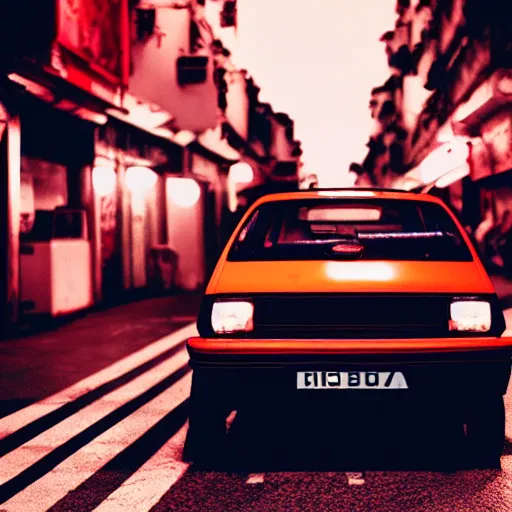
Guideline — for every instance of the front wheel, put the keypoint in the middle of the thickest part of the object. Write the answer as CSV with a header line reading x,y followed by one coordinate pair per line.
x,y
485,433
208,410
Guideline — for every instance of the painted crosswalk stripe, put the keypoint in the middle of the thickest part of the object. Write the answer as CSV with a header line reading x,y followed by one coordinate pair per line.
x,y
163,470
27,415
76,469
34,450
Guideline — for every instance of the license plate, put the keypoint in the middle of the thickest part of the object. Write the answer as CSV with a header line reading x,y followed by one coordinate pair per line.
x,y
351,380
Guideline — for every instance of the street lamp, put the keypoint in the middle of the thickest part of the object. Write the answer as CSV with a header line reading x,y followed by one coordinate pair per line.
x,y
104,180
184,192
241,172
140,179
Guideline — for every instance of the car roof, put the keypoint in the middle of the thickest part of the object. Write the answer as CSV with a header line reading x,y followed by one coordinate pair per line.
x,y
354,193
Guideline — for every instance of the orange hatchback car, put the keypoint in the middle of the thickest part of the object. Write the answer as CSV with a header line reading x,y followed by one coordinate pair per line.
x,y
349,293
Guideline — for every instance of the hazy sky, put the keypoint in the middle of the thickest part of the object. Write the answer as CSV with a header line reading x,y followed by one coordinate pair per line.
x,y
317,60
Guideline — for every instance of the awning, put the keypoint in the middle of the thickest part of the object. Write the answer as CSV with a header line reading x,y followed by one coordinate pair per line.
x,y
52,88
433,171
139,147
68,97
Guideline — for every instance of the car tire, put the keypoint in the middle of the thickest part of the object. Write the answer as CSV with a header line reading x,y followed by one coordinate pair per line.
x,y
208,410
485,433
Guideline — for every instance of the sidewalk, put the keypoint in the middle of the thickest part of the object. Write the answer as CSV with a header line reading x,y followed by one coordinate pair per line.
x,y
41,364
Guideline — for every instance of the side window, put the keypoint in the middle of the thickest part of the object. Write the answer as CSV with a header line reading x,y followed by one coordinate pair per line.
x,y
248,228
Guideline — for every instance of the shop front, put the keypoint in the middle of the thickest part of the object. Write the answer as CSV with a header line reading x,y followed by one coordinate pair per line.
x,y
56,154
492,173
130,171
210,161
487,118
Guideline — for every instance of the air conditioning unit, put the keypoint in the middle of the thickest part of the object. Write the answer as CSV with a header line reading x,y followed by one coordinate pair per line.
x,y
192,69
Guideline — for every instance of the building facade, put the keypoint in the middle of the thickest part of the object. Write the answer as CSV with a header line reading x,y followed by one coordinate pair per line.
x,y
443,119
450,64
115,151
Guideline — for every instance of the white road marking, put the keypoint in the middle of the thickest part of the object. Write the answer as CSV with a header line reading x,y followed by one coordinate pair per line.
x,y
27,415
255,479
35,449
355,478
76,469
146,487
162,470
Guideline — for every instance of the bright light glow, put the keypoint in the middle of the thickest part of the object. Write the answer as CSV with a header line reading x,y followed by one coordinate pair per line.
x,y
184,192
470,315
104,180
359,271
343,214
444,159
453,176
140,179
232,316
347,193
241,172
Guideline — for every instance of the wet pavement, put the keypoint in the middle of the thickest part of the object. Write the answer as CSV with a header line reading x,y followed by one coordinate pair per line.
x,y
99,418
37,365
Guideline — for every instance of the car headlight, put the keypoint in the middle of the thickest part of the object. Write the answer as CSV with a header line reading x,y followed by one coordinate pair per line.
x,y
470,316
231,316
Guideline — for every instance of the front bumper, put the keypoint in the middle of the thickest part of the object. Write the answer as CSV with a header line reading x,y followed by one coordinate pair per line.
x,y
454,367
285,352
435,369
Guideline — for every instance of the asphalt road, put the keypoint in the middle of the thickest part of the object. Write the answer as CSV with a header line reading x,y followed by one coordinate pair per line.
x,y
111,439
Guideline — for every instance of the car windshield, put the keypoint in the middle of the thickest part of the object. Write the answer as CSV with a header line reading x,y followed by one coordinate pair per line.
x,y
367,229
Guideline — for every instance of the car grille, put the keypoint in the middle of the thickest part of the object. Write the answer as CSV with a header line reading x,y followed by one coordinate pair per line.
x,y
351,316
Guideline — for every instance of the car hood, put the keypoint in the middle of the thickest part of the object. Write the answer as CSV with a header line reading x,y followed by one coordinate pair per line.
x,y
353,276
